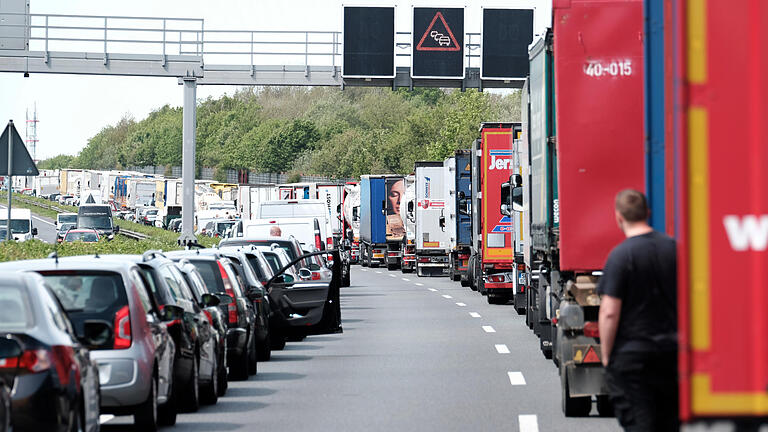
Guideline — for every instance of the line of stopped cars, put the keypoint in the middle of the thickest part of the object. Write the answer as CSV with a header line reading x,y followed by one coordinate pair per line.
x,y
152,335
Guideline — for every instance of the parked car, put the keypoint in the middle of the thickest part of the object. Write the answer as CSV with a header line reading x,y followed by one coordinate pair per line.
x,y
10,350
135,360
220,277
81,235
62,231
175,225
55,383
195,352
66,218
218,322
251,273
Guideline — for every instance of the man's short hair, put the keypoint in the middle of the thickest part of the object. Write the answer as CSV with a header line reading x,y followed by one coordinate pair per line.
x,y
275,231
632,205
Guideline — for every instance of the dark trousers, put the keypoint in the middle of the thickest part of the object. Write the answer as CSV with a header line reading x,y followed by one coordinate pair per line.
x,y
643,389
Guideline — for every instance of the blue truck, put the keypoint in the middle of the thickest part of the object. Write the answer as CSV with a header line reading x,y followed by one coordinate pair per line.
x,y
381,224
460,197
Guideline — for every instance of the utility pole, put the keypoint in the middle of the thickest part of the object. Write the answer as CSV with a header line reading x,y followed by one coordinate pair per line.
x,y
188,161
10,180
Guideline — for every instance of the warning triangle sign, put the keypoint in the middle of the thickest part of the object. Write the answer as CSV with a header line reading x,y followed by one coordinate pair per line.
x,y
438,36
591,356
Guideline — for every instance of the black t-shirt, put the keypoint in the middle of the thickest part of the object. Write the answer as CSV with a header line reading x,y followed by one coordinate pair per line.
x,y
642,272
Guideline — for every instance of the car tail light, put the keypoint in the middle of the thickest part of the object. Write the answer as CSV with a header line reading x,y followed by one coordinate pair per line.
x,y
393,253
122,328
424,260
463,256
315,276
329,242
232,307
591,329
30,361
521,267
496,278
63,361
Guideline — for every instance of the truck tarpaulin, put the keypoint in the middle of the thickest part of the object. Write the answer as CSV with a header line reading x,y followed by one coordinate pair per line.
x,y
598,55
497,166
724,222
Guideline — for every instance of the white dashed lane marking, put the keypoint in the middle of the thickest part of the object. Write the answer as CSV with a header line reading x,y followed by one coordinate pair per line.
x,y
447,296
516,378
474,315
406,279
528,423
502,349
378,272
461,304
392,275
489,329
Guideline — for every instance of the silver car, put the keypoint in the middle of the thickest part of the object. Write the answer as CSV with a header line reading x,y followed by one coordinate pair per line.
x,y
135,364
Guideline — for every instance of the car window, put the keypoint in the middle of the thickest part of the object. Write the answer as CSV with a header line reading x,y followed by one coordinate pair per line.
x,y
273,261
88,295
15,306
256,266
54,313
194,288
237,280
182,283
149,277
209,270
141,290
170,280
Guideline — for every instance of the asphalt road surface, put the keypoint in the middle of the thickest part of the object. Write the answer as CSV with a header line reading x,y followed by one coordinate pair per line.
x,y
417,354
46,230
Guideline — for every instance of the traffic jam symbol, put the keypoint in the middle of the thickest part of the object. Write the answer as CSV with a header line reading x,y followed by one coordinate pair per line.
x,y
438,37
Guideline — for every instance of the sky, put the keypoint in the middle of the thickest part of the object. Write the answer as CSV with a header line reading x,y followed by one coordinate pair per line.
x,y
73,108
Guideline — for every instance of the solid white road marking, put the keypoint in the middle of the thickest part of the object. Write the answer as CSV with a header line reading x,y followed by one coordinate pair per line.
x,y
378,272
461,304
528,423
105,418
446,296
502,349
431,289
392,275
364,269
420,284
406,279
474,315
516,378
489,329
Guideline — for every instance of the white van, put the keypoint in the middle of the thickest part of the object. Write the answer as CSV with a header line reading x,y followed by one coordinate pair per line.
x,y
21,224
304,208
308,231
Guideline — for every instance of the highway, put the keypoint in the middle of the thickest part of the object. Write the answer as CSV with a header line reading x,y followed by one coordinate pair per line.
x,y
417,354
46,230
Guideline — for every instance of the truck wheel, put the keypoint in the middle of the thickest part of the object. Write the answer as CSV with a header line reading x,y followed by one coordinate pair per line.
x,y
455,276
465,283
604,406
363,261
573,406
391,267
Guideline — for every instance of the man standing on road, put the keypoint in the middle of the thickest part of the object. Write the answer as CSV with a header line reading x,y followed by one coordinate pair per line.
x,y
638,321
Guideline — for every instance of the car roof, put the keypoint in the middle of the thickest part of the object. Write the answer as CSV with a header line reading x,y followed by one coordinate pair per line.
x,y
82,262
84,230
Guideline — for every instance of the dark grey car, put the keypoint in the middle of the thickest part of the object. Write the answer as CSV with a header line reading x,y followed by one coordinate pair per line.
x,y
135,365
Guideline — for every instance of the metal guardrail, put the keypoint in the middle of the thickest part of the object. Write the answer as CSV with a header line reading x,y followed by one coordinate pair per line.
x,y
127,233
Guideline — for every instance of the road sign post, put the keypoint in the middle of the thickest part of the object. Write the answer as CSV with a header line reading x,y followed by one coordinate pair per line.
x,y
10,180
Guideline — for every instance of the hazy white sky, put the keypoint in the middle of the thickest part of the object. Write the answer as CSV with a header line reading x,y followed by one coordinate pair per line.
x,y
73,108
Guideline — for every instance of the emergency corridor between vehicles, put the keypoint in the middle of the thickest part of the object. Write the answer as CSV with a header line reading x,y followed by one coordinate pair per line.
x,y
417,354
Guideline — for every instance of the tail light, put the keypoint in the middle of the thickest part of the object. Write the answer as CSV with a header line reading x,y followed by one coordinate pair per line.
x,y
329,242
496,278
31,361
208,316
318,240
63,361
122,328
424,260
315,276
232,307
393,253
521,267
463,256
591,329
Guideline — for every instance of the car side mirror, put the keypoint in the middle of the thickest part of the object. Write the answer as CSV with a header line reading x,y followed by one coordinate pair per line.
x,y
34,231
172,312
96,333
9,348
255,294
210,300
116,229
225,299
288,279
305,273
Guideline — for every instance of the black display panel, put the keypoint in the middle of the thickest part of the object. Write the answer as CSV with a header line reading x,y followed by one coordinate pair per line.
x,y
438,43
507,33
369,42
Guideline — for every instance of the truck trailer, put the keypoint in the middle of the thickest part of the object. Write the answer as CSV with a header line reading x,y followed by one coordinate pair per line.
x,y
381,227
581,152
432,236
459,198
408,214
